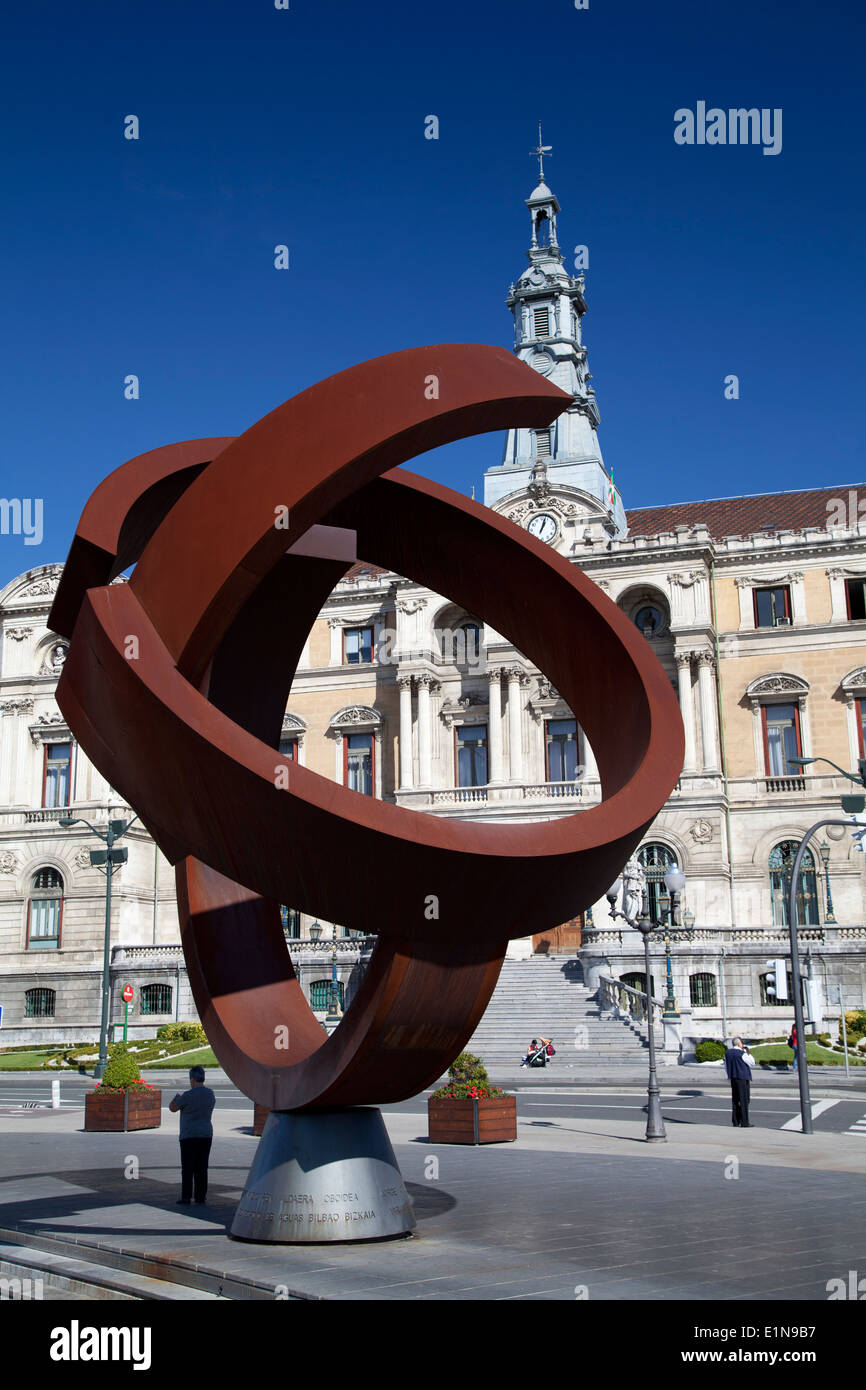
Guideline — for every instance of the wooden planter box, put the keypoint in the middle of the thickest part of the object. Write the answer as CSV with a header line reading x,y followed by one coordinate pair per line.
x,y
260,1114
122,1110
491,1121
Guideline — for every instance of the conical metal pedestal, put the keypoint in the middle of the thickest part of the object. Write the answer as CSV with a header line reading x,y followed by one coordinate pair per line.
x,y
324,1175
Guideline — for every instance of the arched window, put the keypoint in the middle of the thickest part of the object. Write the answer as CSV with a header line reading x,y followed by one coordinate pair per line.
x,y
39,1003
156,999
656,860
462,643
44,911
468,644
781,866
320,994
702,990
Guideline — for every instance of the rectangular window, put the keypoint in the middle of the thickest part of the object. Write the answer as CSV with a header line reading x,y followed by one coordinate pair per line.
x,y
55,781
39,1003
773,607
855,593
541,319
781,739
861,726
357,645
472,755
289,748
156,999
358,764
561,750
44,924
542,443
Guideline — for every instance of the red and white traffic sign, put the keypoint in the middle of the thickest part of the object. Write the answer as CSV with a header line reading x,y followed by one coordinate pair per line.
x,y
127,994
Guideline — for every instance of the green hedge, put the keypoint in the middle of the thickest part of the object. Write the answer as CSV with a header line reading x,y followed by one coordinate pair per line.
x,y
710,1051
181,1032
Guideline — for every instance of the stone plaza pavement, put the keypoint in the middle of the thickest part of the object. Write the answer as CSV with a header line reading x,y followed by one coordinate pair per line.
x,y
576,1208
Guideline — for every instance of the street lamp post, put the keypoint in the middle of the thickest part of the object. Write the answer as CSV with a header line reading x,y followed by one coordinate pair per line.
x,y
675,882
853,805
634,912
333,1015
109,858
829,916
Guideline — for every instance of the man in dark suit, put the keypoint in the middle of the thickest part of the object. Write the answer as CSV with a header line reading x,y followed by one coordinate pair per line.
x,y
738,1065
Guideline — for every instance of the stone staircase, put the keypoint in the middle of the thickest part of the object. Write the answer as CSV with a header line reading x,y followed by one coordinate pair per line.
x,y
546,994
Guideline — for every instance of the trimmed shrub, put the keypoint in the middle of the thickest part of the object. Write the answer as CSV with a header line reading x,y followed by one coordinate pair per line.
x,y
468,1081
468,1070
710,1051
122,1069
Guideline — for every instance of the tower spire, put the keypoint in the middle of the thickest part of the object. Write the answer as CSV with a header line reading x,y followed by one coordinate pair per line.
x,y
540,151
548,304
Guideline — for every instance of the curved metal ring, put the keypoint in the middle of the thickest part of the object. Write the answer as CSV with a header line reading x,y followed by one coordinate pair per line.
x,y
176,684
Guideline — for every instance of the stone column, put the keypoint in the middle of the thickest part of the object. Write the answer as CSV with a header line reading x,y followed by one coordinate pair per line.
x,y
590,766
404,684
708,711
515,731
851,718
805,730
425,731
494,726
758,736
336,653
687,707
839,608
798,598
745,587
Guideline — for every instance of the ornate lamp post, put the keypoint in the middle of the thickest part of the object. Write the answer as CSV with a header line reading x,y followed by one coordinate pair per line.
x,y
675,882
109,859
829,916
632,884
334,1011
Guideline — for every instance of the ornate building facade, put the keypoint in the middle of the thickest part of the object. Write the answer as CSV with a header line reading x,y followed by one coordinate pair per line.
x,y
756,609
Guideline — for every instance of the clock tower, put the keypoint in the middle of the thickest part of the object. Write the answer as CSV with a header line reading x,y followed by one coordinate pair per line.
x,y
563,461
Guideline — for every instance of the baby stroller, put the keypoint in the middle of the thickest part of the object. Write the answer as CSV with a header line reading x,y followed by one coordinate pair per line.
x,y
540,1052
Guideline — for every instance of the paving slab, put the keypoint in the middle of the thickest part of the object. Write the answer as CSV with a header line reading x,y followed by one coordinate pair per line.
x,y
580,1208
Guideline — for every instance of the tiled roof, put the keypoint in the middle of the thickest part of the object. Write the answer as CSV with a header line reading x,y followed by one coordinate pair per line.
x,y
741,516
363,570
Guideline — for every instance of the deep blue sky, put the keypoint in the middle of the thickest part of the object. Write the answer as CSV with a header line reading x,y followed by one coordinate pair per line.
x,y
306,127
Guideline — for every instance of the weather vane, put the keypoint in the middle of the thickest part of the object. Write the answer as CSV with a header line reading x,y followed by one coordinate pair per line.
x,y
540,151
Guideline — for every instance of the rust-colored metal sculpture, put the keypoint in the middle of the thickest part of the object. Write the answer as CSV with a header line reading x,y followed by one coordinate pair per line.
x,y
177,681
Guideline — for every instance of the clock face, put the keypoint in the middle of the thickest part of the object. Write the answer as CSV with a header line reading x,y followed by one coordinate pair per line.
x,y
543,527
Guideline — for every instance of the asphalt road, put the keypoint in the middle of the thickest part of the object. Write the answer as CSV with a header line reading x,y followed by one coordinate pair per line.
x,y
536,1105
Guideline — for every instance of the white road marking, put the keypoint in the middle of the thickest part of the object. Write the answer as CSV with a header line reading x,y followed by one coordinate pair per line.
x,y
602,1105
817,1109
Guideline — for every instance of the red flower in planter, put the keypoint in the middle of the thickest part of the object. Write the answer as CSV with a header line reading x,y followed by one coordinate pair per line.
x,y
138,1086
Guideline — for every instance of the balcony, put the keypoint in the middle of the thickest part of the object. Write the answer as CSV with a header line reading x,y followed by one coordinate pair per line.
x,y
98,812
785,784
816,789
504,795
171,953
